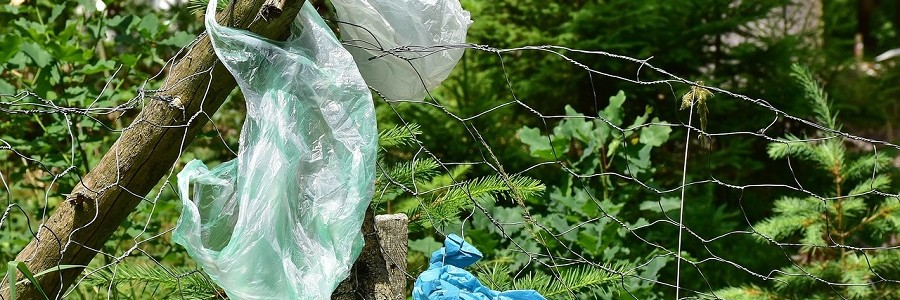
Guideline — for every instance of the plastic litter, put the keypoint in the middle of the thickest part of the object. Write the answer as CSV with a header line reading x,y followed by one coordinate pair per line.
x,y
445,278
282,220
424,28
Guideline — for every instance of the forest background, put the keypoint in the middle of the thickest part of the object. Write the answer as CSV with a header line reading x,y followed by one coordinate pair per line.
x,y
84,54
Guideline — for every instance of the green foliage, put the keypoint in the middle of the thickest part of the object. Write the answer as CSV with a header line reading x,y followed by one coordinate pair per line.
x,y
827,226
592,146
199,6
11,269
181,283
84,69
750,292
571,280
67,53
399,136
585,213
432,199
812,91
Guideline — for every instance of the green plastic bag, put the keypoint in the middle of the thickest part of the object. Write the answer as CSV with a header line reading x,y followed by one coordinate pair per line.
x,y
282,220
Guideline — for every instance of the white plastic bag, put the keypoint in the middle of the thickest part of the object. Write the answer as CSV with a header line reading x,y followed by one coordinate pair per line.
x,y
424,28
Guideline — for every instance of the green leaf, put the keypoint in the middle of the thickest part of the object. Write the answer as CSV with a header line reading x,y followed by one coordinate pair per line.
x,y
149,26
129,59
613,112
655,135
539,145
37,54
813,235
643,118
639,161
6,88
794,146
576,126
654,266
70,31
57,10
575,279
179,39
9,46
663,205
11,273
35,30
54,269
781,227
12,9
425,245
100,66
123,23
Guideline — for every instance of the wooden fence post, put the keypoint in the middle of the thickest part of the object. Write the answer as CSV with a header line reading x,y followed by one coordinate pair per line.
x,y
380,271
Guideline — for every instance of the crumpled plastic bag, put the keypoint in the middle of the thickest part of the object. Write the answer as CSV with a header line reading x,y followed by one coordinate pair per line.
x,y
283,219
425,28
445,278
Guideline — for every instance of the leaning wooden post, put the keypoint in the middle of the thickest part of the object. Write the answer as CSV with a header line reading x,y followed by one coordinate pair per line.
x,y
143,154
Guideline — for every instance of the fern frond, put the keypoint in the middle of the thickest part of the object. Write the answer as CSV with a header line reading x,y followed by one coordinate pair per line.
x,y
886,220
821,106
496,276
864,166
886,263
750,292
402,135
199,6
495,185
782,226
420,170
795,282
828,155
877,183
808,207
849,207
831,156
446,207
857,276
792,146
570,280
813,237
187,283
792,215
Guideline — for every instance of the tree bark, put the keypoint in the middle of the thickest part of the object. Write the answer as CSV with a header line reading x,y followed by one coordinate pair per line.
x,y
143,154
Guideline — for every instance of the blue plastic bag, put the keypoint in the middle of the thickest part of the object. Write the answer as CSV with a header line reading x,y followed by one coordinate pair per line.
x,y
446,280
282,220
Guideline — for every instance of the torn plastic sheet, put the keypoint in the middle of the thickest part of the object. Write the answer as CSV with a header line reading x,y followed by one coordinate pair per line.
x,y
282,220
445,278
423,37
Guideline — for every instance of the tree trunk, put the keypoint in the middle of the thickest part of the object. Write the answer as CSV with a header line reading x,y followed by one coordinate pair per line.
x,y
864,9
143,154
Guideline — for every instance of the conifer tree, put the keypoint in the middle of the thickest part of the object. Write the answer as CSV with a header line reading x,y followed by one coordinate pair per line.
x,y
837,237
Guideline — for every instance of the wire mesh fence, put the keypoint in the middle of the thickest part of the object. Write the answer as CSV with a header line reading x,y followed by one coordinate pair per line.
x,y
614,196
